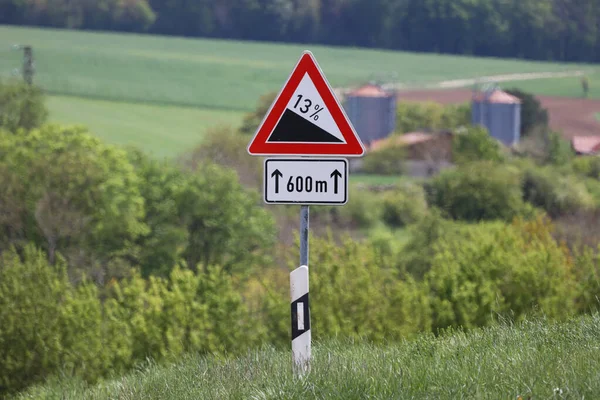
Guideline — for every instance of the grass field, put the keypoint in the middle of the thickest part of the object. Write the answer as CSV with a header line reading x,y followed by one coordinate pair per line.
x,y
565,87
220,79
216,73
537,359
162,131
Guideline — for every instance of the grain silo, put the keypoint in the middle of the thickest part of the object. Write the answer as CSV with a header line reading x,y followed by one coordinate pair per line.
x,y
499,112
372,111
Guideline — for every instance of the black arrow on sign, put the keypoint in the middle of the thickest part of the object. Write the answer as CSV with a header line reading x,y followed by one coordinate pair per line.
x,y
335,175
277,174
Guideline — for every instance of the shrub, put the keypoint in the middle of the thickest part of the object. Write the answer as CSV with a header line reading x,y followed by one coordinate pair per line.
x,y
475,144
404,205
556,194
497,269
363,208
45,323
22,106
478,191
355,296
414,116
252,120
386,161
49,326
587,166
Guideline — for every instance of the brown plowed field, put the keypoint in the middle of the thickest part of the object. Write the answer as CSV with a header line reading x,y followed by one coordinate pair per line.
x,y
574,117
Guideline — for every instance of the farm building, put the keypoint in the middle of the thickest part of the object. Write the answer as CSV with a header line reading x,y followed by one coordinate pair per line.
x,y
372,111
426,153
499,112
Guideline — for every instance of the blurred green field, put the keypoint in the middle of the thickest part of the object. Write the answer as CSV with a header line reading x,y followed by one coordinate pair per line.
x,y
205,82
216,73
163,131
564,87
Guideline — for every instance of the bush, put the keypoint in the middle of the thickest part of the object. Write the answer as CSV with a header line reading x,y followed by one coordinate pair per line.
x,y
227,148
22,106
49,326
355,296
556,194
45,323
79,196
252,120
475,144
415,116
497,269
386,161
478,191
587,166
404,205
363,208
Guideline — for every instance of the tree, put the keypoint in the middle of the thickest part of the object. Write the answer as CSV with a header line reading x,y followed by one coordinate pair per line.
x,y
478,191
532,113
225,224
475,144
21,106
78,196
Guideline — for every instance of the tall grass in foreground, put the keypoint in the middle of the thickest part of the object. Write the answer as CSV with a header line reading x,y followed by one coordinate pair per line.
x,y
538,358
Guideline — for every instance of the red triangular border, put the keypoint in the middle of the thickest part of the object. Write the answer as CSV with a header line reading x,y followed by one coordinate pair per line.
x,y
259,144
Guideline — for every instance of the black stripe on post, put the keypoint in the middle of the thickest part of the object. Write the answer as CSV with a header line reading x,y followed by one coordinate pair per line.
x,y
295,331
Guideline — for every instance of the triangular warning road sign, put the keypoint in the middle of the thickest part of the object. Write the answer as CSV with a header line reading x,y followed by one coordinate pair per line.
x,y
306,118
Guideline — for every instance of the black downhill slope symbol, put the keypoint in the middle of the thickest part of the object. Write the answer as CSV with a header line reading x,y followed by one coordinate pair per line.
x,y
294,128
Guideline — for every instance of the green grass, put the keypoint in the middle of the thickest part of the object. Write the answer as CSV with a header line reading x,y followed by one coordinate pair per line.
x,y
162,131
538,359
564,87
216,73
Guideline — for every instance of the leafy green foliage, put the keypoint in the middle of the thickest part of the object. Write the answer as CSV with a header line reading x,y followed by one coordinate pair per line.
x,y
475,144
225,224
252,120
355,296
532,113
48,324
415,116
364,208
226,147
388,160
21,106
478,191
404,205
494,269
556,193
76,195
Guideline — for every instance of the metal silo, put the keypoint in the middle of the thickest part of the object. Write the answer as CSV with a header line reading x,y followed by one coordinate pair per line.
x,y
499,113
372,111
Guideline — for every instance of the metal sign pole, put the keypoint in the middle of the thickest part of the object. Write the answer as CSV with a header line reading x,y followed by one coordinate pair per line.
x,y
301,337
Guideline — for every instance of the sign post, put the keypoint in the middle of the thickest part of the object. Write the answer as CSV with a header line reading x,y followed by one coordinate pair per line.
x,y
304,122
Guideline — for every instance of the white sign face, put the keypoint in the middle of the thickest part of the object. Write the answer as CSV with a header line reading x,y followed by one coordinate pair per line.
x,y
306,181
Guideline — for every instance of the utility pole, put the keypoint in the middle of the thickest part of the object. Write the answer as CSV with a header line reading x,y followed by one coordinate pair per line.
x,y
28,64
27,70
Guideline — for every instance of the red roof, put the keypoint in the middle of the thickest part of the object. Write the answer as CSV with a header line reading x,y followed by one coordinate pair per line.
x,y
586,144
498,96
369,91
400,140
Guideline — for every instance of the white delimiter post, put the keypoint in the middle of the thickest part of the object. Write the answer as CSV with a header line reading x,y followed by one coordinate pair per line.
x,y
300,319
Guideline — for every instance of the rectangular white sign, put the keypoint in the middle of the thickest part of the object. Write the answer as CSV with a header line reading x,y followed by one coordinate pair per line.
x,y
306,181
